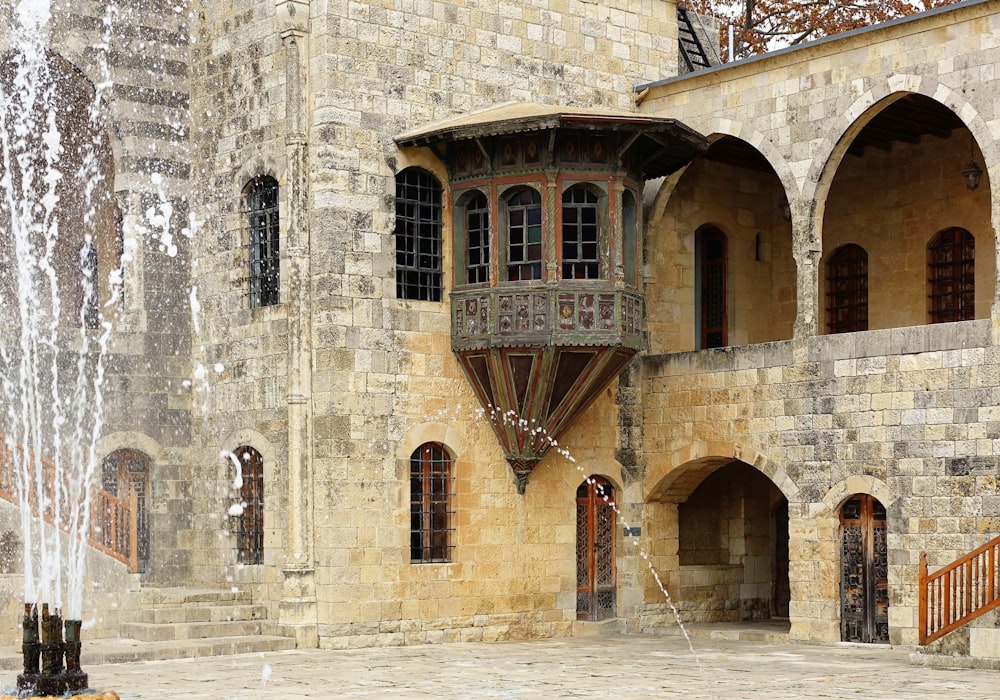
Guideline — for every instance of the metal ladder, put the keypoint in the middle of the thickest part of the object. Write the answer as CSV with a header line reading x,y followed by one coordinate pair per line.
x,y
691,47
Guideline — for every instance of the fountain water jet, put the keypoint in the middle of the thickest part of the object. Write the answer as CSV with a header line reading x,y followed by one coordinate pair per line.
x,y
55,206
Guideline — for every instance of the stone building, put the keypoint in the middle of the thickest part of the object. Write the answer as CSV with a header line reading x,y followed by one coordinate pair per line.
x,y
430,284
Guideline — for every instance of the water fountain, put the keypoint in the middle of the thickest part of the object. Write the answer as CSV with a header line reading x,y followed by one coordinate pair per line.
x,y
54,198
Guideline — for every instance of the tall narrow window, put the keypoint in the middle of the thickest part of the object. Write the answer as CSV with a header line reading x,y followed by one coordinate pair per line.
x,y
630,239
430,504
710,253
262,218
125,473
524,235
951,273
250,526
477,239
418,235
580,234
847,290
89,307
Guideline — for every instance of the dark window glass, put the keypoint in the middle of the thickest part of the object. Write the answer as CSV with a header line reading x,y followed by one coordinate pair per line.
x,y
477,240
524,235
580,234
250,526
418,236
430,504
951,272
847,290
713,273
262,223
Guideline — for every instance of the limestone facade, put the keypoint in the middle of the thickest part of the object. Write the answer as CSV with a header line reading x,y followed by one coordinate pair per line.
x,y
730,465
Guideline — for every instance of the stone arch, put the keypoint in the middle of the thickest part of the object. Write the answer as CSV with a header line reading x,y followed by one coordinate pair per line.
x,y
257,166
434,431
253,439
672,478
831,149
127,439
422,158
846,488
717,128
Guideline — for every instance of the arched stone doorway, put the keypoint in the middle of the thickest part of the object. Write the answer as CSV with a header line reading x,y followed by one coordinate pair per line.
x,y
730,522
864,566
596,583
122,472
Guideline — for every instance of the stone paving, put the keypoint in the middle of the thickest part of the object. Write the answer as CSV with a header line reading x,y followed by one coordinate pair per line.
x,y
577,667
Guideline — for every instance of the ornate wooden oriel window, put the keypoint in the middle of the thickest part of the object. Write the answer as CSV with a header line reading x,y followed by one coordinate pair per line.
x,y
847,290
710,245
418,235
431,509
264,253
580,234
477,239
951,273
250,526
524,234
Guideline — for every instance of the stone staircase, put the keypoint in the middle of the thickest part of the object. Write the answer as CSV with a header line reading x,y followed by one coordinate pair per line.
x,y
185,622
177,623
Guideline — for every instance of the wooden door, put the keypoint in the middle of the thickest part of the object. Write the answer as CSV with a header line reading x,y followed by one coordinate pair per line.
x,y
712,272
864,587
595,550
124,471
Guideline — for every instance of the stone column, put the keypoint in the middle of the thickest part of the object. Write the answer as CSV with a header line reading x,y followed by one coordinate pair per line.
x,y
807,248
298,607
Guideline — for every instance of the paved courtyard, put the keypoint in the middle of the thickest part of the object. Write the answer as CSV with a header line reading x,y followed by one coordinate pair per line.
x,y
581,667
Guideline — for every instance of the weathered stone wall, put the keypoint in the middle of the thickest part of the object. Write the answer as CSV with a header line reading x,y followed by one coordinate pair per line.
x,y
905,415
381,374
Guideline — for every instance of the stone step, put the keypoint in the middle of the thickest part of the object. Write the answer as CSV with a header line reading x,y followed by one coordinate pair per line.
x,y
201,613
109,651
154,597
162,632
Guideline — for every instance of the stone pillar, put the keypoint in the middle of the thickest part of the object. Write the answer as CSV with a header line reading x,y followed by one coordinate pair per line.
x,y
298,607
807,247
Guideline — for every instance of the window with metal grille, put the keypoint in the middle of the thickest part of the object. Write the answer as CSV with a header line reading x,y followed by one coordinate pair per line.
x,y
431,507
524,235
951,273
418,235
580,234
89,306
477,239
250,526
262,225
847,290
712,271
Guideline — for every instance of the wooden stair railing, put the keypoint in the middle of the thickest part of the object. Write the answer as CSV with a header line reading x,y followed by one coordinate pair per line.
x,y
112,520
960,592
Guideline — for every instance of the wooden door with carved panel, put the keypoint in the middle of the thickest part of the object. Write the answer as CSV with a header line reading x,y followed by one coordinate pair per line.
x,y
864,586
595,550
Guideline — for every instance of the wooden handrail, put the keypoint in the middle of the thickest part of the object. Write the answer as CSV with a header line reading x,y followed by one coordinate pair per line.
x,y
960,592
112,526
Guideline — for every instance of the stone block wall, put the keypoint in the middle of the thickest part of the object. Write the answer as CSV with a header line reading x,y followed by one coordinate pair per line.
x,y
909,423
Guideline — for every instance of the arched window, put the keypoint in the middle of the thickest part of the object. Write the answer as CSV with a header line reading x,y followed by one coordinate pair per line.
x,y
951,276
477,239
262,225
125,473
847,290
580,234
418,235
250,526
711,270
431,510
524,234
